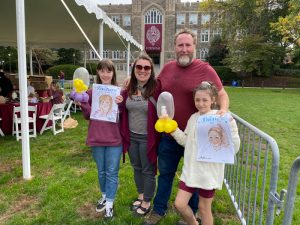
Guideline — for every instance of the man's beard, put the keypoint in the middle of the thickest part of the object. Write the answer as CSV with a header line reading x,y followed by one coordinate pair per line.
x,y
184,60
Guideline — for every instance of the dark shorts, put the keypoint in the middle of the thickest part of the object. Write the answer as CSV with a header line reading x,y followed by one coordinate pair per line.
x,y
201,192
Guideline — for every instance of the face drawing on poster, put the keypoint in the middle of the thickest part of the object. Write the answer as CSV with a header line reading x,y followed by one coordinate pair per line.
x,y
217,138
105,105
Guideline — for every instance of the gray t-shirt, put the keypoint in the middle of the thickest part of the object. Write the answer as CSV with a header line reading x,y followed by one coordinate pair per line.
x,y
137,114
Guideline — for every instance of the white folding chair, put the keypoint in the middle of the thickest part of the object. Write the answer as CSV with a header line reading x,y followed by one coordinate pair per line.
x,y
1,132
68,105
74,107
17,129
56,117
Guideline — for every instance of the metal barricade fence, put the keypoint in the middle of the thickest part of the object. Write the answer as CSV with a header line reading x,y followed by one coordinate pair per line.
x,y
291,193
252,181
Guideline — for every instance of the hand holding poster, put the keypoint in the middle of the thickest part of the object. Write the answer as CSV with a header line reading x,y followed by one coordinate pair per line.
x,y
103,102
214,140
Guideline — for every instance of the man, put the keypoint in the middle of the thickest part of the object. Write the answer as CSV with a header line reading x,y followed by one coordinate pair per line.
x,y
61,76
180,77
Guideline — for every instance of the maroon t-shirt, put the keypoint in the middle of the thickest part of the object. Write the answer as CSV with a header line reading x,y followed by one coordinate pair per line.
x,y
181,81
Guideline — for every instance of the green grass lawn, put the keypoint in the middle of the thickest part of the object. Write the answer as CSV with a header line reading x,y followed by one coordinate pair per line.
x,y
64,188
276,112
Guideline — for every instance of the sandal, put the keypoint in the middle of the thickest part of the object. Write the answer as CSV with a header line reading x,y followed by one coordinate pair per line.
x,y
136,206
145,211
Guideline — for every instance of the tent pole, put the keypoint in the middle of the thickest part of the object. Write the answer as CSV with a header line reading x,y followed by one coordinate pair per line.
x,y
84,58
30,61
101,38
128,59
80,28
20,13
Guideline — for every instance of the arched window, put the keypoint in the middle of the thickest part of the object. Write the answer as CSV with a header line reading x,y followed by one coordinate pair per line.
x,y
153,16
203,53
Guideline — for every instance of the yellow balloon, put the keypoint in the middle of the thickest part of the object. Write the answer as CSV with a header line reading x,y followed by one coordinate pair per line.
x,y
79,86
159,126
76,82
170,126
174,124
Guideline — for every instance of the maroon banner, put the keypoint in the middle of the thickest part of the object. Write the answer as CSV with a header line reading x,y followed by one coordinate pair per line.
x,y
153,37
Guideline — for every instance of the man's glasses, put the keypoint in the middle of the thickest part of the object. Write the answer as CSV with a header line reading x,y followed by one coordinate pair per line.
x,y
140,67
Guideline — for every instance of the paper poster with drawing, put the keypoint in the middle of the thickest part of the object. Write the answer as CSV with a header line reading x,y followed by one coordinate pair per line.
x,y
214,140
103,102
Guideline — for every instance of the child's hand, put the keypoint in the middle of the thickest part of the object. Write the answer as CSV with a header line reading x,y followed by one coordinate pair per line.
x,y
77,103
164,116
119,99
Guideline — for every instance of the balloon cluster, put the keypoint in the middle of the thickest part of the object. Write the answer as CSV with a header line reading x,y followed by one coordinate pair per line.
x,y
166,125
80,85
165,113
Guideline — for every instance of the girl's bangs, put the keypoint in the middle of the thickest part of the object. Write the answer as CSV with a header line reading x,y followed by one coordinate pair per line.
x,y
106,65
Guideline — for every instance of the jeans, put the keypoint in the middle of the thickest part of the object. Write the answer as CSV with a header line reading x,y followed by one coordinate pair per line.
x,y
62,82
107,159
169,155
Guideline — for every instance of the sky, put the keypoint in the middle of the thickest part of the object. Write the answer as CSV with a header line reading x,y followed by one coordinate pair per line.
x,y
106,2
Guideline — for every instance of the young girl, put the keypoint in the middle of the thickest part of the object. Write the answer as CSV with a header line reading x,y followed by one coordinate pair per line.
x,y
202,177
106,142
55,93
137,129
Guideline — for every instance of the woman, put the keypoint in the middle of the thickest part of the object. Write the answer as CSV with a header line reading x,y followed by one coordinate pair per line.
x,y
137,129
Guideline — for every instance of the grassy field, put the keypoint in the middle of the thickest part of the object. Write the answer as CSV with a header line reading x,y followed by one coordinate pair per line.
x,y
276,112
64,188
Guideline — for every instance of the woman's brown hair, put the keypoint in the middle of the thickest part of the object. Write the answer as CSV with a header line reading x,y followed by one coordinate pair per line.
x,y
151,83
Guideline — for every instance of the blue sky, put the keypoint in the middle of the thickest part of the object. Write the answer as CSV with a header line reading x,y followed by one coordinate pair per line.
x,y
128,1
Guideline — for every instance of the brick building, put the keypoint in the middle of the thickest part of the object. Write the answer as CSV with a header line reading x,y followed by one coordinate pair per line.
x,y
153,23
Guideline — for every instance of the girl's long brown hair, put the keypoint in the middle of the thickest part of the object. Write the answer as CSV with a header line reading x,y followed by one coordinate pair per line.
x,y
149,86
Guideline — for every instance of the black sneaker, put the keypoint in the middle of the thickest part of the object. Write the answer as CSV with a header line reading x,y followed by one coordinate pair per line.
x,y
109,213
101,205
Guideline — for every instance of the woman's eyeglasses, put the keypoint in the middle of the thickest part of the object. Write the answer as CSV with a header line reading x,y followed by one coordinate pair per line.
x,y
140,67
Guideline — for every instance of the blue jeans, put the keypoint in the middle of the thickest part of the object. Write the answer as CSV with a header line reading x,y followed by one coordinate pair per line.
x,y
107,159
169,155
62,82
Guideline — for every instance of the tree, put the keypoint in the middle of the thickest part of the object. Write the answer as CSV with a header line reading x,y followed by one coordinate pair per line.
x,y
217,52
253,55
43,58
69,56
245,27
296,56
8,58
288,27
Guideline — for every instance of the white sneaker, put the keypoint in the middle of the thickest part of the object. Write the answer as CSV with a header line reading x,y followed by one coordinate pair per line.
x,y
109,213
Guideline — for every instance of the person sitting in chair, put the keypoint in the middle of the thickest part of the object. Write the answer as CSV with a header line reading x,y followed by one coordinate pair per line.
x,y
55,93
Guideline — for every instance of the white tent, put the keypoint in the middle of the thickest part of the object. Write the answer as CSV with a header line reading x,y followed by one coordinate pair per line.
x,y
55,23
48,24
